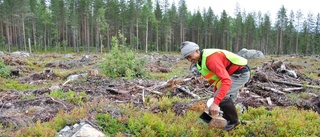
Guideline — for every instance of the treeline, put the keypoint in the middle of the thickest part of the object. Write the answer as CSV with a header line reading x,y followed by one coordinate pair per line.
x,y
147,25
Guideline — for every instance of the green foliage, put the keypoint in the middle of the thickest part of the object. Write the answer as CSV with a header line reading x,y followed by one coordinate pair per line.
x,y
24,96
277,122
135,126
122,62
49,129
70,96
305,95
39,130
166,103
109,124
155,123
281,122
68,118
12,84
255,113
4,70
59,120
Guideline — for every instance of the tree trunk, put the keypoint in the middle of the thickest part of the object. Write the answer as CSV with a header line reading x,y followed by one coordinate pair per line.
x,y
147,27
297,43
205,39
198,36
181,31
237,42
137,33
74,39
14,33
267,43
157,38
97,38
45,38
108,39
307,44
34,34
85,34
131,35
280,43
78,42
173,39
166,37
88,33
210,39
122,31
9,40
1,35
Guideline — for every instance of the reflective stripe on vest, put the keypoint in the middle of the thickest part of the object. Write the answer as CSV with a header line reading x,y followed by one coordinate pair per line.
x,y
210,76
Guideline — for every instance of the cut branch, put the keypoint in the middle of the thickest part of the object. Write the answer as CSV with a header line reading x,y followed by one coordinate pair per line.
x,y
291,89
59,102
149,90
188,91
272,89
170,82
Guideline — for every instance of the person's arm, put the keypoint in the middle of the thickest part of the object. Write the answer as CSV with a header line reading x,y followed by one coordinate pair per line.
x,y
217,64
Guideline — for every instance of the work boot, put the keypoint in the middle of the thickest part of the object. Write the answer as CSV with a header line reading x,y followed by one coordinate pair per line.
x,y
230,114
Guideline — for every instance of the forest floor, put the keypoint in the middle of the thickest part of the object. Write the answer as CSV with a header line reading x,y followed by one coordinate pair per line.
x,y
276,81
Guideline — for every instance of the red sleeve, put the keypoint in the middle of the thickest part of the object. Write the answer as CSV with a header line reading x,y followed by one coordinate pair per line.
x,y
217,63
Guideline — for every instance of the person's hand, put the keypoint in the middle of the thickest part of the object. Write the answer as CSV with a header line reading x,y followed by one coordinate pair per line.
x,y
214,109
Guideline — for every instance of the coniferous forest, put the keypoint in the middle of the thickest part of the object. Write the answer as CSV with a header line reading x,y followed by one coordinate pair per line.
x,y
150,25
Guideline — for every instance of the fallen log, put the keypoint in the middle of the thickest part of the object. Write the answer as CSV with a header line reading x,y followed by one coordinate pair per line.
x,y
188,91
294,84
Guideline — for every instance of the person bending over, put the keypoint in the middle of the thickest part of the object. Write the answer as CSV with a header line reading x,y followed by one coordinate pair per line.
x,y
226,71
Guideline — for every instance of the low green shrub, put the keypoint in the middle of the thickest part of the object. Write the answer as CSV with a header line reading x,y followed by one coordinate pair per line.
x,y
110,125
70,96
68,118
4,70
123,62
12,84
39,130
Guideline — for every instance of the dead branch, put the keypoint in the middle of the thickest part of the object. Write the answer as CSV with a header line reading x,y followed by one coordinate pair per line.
x,y
188,91
170,82
269,101
291,89
117,90
294,84
58,102
149,90
163,85
66,82
143,99
272,89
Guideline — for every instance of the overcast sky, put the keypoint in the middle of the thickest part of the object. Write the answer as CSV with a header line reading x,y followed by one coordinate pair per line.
x,y
271,6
